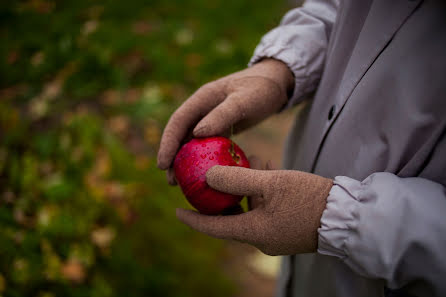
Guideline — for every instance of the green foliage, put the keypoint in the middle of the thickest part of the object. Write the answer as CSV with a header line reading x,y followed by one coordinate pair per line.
x,y
86,88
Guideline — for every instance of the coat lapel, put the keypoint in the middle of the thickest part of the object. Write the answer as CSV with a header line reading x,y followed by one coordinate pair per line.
x,y
384,19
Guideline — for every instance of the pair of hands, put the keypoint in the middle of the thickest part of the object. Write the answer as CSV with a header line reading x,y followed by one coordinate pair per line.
x,y
285,205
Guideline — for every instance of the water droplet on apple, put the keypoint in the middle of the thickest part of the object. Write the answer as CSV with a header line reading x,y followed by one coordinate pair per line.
x,y
211,157
203,156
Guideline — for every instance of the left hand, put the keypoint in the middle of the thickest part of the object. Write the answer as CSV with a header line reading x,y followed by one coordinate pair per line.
x,y
239,100
287,206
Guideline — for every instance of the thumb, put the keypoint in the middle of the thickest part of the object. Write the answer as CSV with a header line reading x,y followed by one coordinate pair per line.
x,y
237,180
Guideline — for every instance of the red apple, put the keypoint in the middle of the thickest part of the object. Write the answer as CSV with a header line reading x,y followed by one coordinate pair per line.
x,y
191,164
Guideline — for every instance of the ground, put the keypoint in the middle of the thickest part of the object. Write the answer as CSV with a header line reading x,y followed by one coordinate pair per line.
x,y
86,90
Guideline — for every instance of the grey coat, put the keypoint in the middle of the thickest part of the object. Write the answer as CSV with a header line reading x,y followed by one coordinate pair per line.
x,y
377,125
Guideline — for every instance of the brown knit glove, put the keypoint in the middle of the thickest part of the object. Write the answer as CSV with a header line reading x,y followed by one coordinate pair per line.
x,y
241,99
287,206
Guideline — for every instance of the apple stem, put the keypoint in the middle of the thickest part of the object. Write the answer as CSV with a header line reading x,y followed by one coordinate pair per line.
x,y
234,156
232,142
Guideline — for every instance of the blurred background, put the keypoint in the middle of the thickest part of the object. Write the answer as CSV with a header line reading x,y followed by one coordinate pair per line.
x,y
86,88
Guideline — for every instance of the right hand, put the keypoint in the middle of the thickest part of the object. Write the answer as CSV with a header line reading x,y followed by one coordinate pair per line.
x,y
285,213
241,100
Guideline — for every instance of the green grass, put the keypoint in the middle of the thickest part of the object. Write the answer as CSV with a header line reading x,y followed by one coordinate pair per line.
x,y
85,90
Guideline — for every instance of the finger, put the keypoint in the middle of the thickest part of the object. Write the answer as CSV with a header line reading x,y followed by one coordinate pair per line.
x,y
183,119
170,174
254,201
255,162
238,227
270,165
237,180
221,118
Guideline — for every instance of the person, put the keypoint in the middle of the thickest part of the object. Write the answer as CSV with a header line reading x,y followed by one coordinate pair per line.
x,y
360,206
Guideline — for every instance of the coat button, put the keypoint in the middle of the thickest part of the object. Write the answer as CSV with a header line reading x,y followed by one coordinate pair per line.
x,y
331,112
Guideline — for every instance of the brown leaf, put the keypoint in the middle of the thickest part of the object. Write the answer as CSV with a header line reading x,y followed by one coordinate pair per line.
x,y
119,124
103,237
37,58
13,56
39,6
142,162
110,97
2,283
193,60
152,134
89,27
142,27
73,271
114,191
132,95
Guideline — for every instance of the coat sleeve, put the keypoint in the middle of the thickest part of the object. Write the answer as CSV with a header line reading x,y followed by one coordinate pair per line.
x,y
389,228
301,41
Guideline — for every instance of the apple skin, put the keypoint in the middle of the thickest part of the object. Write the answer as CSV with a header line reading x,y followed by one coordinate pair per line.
x,y
193,161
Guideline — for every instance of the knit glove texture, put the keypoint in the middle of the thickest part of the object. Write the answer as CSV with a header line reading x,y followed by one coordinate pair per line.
x,y
240,100
286,209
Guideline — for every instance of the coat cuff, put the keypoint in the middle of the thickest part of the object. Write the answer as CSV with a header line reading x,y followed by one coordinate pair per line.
x,y
340,217
306,74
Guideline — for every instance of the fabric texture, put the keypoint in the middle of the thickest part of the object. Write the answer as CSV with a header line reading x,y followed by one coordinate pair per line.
x,y
404,226
376,125
279,199
301,41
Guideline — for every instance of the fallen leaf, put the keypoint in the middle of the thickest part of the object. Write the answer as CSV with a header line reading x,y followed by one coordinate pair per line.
x,y
13,56
119,124
193,60
37,59
152,134
89,27
73,271
142,27
114,191
2,283
142,162
103,237
110,97
132,95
